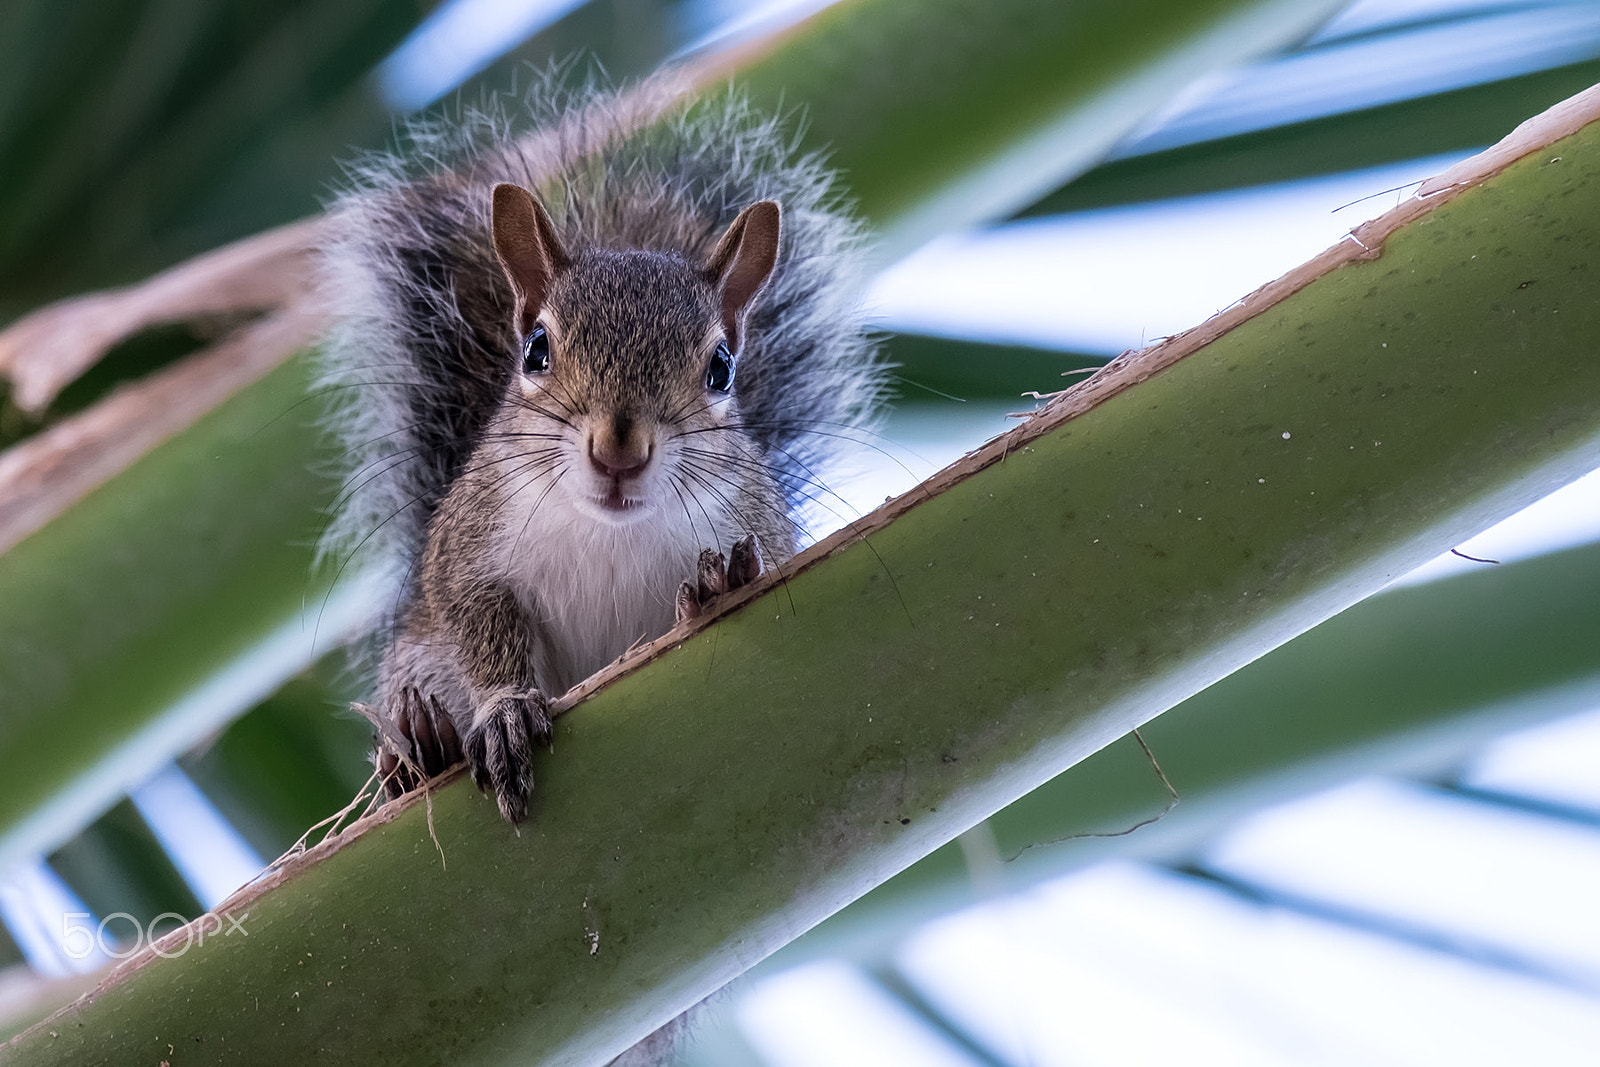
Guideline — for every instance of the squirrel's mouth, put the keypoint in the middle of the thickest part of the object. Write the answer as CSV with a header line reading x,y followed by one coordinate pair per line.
x,y
613,500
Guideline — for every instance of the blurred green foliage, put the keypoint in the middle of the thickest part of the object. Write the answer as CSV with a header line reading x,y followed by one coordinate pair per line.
x,y
140,132
968,369
294,760
116,865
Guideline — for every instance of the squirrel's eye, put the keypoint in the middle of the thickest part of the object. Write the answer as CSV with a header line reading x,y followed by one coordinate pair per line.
x,y
719,375
536,352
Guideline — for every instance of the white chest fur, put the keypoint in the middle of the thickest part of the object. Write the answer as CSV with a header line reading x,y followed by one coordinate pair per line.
x,y
597,587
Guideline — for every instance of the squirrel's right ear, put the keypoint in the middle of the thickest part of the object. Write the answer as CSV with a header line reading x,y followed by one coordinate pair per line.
x,y
529,251
742,262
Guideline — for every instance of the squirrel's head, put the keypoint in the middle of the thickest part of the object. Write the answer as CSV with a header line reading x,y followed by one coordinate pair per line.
x,y
629,357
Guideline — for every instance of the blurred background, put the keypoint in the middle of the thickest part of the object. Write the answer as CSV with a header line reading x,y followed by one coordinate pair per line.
x,y
1387,844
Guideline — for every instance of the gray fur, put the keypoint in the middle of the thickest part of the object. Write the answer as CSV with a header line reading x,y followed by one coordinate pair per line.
x,y
467,477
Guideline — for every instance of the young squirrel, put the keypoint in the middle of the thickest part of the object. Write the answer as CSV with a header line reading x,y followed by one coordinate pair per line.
x,y
575,363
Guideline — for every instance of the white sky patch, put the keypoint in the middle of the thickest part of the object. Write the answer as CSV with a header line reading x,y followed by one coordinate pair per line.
x,y
831,1015
1558,763
1106,280
1488,875
1122,964
1368,16
459,39
208,852
1040,981
1355,65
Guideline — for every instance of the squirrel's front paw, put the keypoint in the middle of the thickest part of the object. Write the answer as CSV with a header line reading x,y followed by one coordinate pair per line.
x,y
430,744
717,574
500,747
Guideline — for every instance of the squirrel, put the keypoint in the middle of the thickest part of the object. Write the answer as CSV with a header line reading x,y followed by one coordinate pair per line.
x,y
585,342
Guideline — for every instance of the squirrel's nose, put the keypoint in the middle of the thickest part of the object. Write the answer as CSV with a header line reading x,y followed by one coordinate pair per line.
x,y
618,459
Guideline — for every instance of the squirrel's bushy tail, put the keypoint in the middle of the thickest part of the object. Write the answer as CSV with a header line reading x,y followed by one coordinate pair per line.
x,y
421,353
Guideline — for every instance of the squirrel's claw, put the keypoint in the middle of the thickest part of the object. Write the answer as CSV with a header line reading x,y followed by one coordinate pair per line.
x,y
716,574
711,575
710,581
433,736
431,743
687,604
744,562
500,748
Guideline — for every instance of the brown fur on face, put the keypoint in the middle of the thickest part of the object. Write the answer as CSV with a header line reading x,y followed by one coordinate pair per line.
x,y
630,336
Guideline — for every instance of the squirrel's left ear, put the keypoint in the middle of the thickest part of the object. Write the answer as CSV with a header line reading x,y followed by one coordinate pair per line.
x,y
529,251
742,262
